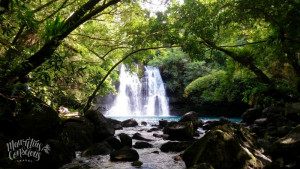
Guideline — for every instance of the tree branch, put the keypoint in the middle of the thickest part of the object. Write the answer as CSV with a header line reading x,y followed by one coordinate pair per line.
x,y
94,38
49,47
71,48
122,47
95,53
56,11
7,44
245,61
244,44
43,6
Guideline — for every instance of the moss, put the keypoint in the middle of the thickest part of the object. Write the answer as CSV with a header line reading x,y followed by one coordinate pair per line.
x,y
223,148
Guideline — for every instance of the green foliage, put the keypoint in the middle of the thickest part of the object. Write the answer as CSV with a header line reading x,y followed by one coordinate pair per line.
x,y
53,27
205,82
223,46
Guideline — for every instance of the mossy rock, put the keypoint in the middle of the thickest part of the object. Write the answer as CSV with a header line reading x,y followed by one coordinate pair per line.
x,y
288,146
179,130
225,147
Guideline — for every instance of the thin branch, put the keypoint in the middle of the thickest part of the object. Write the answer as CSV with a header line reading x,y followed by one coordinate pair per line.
x,y
18,34
244,44
94,12
86,62
7,44
43,6
294,40
94,38
95,53
122,47
56,11
71,48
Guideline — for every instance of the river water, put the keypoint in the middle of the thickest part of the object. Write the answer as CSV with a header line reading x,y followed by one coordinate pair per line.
x,y
150,160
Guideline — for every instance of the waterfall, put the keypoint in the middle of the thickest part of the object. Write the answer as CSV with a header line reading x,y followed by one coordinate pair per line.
x,y
140,97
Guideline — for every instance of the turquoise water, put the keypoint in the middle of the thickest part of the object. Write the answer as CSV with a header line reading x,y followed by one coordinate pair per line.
x,y
155,119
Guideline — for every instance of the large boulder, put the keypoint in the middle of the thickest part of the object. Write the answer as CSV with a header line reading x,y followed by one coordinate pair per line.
x,y
125,140
175,146
278,125
8,125
129,123
102,148
37,120
78,133
209,124
288,146
125,154
261,121
59,154
162,123
179,130
116,123
292,111
229,146
273,110
103,129
193,117
114,143
202,166
251,115
142,144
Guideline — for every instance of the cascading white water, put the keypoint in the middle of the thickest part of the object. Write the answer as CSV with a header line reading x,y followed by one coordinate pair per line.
x,y
140,97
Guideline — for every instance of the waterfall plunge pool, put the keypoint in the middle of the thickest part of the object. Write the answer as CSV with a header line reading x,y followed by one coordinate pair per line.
x,y
153,120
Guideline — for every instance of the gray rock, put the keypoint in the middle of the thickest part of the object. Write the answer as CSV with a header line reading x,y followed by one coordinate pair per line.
x,y
179,130
125,154
115,123
273,110
288,146
261,121
114,143
144,123
103,129
59,154
193,117
129,123
292,111
137,163
79,133
228,146
141,144
162,123
251,115
175,146
102,148
138,136
125,140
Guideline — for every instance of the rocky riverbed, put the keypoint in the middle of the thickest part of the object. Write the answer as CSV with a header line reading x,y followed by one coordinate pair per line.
x,y
267,138
152,158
